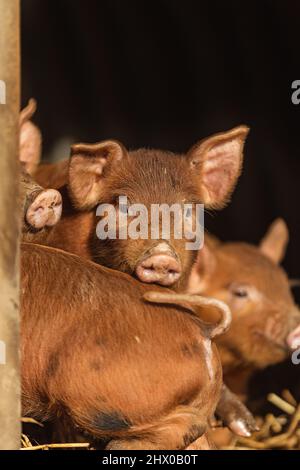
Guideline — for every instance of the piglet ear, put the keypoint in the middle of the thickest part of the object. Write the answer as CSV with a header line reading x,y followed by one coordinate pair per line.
x,y
217,162
30,140
274,243
202,270
89,165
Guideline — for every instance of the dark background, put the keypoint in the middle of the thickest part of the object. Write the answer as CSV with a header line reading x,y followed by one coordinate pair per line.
x,y
167,73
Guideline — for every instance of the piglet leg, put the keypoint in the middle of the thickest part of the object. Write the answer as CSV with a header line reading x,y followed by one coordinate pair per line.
x,y
235,415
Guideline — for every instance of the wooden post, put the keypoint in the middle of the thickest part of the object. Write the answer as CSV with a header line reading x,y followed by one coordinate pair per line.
x,y
9,224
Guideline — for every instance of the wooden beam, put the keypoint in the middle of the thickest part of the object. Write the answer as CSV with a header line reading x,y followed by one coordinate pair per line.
x,y
9,224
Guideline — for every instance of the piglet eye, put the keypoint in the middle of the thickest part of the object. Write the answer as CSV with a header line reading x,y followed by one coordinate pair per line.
x,y
240,292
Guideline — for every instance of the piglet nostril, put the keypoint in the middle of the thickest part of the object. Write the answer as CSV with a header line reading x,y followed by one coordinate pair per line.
x,y
293,339
160,269
45,210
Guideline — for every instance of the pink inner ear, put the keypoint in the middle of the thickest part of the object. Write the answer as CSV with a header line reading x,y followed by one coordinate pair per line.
x,y
84,177
221,168
89,165
202,269
30,146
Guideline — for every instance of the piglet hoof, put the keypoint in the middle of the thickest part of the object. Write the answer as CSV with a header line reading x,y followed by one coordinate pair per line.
x,y
45,209
242,426
235,415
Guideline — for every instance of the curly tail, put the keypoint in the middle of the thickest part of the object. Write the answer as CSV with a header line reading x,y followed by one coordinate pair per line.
x,y
196,300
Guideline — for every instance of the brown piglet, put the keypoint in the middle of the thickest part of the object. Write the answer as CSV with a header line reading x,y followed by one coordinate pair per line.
x,y
101,173
40,208
266,321
110,356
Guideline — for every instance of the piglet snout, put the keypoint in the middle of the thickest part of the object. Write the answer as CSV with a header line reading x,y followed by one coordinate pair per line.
x,y
293,339
159,268
45,209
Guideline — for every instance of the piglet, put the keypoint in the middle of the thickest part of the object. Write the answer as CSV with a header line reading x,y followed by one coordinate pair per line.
x,y
101,350
100,173
266,321
40,208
